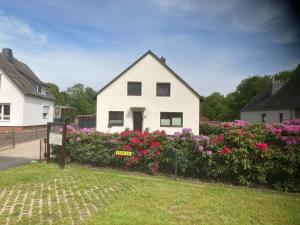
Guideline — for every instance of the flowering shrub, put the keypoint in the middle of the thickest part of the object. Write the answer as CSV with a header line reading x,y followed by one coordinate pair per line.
x,y
235,152
287,132
146,148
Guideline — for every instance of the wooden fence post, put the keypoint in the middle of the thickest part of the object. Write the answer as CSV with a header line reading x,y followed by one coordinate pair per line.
x,y
63,147
13,134
48,144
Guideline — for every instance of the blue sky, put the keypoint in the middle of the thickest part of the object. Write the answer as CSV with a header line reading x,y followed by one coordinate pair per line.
x,y
212,44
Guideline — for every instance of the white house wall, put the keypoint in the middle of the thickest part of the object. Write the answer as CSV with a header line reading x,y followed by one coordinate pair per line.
x,y
271,116
149,72
33,111
10,93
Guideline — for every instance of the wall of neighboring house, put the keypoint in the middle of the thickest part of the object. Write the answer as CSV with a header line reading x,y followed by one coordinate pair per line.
x,y
271,116
149,72
10,94
34,109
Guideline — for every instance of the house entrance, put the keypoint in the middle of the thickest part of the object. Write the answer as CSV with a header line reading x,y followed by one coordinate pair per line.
x,y
138,121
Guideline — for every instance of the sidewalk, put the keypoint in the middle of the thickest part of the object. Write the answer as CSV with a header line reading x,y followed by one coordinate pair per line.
x,y
21,154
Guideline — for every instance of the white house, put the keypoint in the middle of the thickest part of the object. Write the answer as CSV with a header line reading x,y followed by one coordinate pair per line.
x,y
148,94
25,101
280,102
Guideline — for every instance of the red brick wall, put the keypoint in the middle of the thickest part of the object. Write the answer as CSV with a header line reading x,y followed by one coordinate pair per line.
x,y
20,128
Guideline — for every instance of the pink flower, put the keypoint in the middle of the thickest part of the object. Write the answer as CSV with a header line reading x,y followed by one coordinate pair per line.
x,y
78,139
158,153
262,146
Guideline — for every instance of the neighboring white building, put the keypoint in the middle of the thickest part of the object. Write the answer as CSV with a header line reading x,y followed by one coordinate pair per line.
x,y
148,94
25,101
279,103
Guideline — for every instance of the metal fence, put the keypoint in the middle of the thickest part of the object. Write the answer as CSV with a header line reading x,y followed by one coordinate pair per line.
x,y
13,137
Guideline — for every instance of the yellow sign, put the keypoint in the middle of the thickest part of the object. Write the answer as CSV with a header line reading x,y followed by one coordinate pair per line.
x,y
124,153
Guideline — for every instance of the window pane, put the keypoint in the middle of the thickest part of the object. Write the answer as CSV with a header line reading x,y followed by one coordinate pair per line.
x,y
0,112
165,122
171,119
6,112
116,118
176,121
163,89
134,88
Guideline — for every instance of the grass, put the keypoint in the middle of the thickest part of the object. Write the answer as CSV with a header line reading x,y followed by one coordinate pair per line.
x,y
44,194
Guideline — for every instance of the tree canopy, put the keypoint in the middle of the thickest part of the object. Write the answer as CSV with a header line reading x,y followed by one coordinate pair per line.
x,y
79,97
219,107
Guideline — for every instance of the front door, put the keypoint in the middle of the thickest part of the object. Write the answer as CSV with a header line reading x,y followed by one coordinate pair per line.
x,y
137,121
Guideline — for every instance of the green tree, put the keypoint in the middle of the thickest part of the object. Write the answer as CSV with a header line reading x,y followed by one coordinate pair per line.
x,y
215,107
81,99
245,91
60,98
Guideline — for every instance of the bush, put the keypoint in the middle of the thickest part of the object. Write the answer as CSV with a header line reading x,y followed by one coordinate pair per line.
x,y
236,152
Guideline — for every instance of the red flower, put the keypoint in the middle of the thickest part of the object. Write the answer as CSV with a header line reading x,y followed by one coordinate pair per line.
x,y
144,151
214,141
135,140
125,133
158,153
135,158
225,151
127,147
155,144
262,146
221,137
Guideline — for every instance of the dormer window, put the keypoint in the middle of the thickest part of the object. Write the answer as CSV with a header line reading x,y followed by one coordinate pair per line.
x,y
42,90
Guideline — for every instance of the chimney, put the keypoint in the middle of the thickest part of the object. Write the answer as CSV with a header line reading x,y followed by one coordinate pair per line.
x,y
163,60
8,55
275,86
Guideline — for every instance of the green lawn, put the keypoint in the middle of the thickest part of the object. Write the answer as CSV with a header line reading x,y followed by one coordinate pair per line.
x,y
44,194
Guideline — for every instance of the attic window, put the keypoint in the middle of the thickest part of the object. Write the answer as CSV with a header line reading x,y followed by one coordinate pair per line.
x,y
42,90
134,88
163,89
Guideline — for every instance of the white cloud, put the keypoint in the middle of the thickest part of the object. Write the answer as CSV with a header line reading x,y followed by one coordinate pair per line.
x,y
17,33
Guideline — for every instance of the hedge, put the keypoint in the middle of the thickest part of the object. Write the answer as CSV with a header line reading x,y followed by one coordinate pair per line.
x,y
251,155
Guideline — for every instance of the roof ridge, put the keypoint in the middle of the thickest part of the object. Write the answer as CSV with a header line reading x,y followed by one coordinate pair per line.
x,y
161,63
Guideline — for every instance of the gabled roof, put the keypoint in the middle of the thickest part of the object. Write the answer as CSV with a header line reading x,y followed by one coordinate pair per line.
x,y
160,62
287,97
20,74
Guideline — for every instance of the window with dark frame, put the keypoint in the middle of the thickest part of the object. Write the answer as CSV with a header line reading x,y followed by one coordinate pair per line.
x,y
4,111
280,117
116,118
163,89
263,117
134,88
171,119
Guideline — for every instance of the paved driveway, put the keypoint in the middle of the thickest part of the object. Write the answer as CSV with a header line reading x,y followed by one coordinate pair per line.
x,y
21,154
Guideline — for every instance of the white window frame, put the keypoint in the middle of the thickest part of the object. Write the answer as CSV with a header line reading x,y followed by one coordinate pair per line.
x,y
46,114
1,81
2,112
